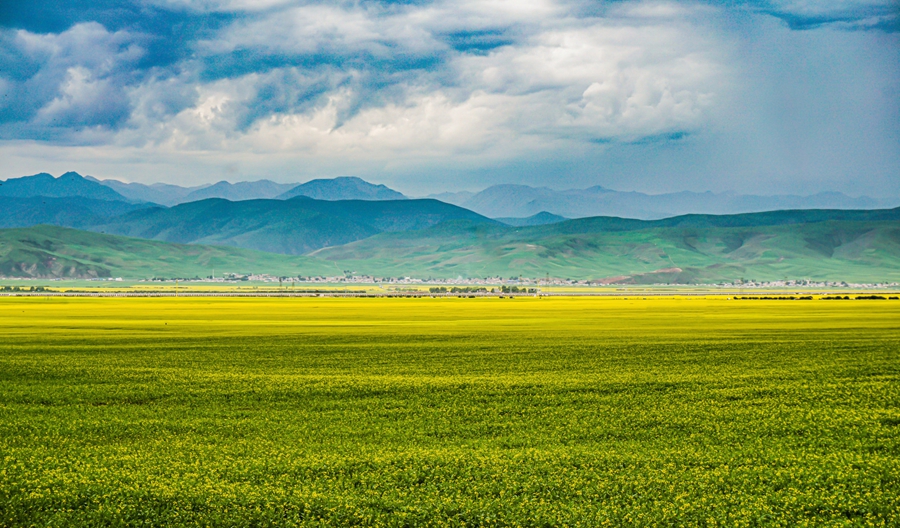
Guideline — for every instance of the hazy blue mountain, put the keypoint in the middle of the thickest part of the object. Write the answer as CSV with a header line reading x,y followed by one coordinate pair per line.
x,y
294,226
455,198
168,194
342,188
503,201
768,218
159,193
541,218
69,184
239,191
68,211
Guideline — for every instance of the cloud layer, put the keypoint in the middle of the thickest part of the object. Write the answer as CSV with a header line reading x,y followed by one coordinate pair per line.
x,y
410,87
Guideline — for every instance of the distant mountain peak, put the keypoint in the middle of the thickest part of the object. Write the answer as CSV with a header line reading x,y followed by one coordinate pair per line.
x,y
542,218
343,188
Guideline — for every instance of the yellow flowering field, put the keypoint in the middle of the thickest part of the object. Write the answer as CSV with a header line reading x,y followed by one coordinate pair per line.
x,y
675,411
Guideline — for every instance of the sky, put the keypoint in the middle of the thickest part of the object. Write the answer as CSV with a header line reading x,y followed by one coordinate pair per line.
x,y
757,96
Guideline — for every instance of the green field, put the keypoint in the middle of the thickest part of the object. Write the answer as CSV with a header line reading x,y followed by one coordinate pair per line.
x,y
449,412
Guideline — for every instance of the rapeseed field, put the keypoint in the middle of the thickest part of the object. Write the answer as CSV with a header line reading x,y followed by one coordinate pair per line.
x,y
449,412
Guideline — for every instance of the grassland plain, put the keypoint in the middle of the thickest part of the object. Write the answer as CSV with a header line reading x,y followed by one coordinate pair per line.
x,y
449,412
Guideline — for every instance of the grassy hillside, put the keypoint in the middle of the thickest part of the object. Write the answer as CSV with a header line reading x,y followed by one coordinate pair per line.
x,y
50,251
292,227
834,250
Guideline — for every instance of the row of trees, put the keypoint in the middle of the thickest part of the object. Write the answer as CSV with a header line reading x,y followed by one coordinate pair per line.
x,y
18,289
480,289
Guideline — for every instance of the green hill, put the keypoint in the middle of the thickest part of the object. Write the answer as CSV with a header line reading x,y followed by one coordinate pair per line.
x,y
292,227
542,218
69,211
867,251
58,252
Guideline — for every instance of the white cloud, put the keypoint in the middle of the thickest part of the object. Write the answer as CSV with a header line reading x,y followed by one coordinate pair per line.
x,y
87,45
567,80
79,92
207,6
604,80
301,30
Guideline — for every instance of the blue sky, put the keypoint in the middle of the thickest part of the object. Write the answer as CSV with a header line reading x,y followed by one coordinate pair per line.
x,y
767,97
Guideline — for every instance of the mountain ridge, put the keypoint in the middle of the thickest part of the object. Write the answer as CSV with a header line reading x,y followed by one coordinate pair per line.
x,y
259,189
158,193
515,200
295,226
70,184
339,188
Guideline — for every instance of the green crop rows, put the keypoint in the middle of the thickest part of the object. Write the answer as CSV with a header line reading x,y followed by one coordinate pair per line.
x,y
449,412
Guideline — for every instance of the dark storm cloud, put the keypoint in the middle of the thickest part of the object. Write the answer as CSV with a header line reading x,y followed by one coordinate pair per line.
x,y
72,79
842,14
69,66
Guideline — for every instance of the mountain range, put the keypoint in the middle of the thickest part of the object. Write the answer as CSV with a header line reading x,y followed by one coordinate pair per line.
x,y
238,191
520,201
340,188
423,237
158,193
514,204
854,246
70,184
